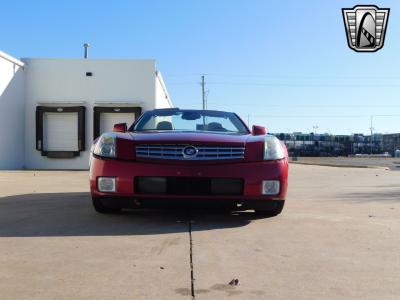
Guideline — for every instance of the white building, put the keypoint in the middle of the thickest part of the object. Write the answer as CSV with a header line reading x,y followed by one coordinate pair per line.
x,y
52,109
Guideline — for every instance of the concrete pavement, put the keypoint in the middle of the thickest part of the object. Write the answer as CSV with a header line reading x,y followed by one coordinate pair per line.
x,y
54,246
338,238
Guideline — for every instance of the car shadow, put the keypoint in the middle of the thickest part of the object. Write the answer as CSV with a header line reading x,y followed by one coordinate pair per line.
x,y
72,214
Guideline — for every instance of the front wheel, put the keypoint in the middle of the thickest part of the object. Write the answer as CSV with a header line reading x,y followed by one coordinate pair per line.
x,y
269,211
103,209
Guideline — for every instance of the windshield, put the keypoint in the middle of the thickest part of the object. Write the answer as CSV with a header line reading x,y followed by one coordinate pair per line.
x,y
191,120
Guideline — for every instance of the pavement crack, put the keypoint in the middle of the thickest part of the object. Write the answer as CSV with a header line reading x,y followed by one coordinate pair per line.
x,y
191,255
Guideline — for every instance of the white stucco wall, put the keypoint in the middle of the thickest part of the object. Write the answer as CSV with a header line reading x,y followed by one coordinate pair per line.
x,y
64,81
26,84
12,113
161,94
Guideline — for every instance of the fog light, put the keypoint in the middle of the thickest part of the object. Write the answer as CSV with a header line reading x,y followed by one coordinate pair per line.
x,y
106,184
270,187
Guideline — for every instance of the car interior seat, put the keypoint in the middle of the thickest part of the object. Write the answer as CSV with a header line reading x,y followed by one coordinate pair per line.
x,y
215,126
164,125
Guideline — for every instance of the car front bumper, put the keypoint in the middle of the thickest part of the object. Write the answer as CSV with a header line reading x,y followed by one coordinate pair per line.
x,y
251,173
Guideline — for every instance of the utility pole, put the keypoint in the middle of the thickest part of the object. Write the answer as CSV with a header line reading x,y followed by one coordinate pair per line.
x,y
203,92
315,127
371,128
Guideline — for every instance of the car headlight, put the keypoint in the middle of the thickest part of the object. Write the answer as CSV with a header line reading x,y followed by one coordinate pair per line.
x,y
106,145
273,149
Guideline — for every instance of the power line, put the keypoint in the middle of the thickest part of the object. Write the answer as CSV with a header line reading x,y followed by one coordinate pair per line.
x,y
321,116
274,76
295,85
307,105
183,83
367,85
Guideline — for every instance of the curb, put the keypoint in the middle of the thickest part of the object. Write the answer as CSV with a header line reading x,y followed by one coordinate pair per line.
x,y
339,165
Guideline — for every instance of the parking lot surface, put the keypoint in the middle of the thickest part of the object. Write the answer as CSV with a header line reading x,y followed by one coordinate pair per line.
x,y
337,238
391,163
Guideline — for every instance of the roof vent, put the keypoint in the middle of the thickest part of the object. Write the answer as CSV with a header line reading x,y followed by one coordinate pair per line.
x,y
86,50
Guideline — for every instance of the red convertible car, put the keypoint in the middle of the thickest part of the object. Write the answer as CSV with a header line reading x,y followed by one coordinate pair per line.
x,y
188,156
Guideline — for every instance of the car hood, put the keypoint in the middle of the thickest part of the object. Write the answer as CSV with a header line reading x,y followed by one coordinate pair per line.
x,y
189,137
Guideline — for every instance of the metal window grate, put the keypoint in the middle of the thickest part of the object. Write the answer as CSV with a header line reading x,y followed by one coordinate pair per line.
x,y
176,152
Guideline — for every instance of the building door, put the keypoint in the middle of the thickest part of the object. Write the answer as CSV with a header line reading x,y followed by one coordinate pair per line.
x,y
60,131
104,118
107,120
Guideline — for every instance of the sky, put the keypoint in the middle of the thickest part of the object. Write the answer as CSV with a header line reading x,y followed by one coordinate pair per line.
x,y
284,65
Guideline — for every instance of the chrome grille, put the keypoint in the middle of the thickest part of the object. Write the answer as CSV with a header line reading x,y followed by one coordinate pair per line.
x,y
176,152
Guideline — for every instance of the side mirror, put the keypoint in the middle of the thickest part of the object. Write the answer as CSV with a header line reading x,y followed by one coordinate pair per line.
x,y
258,130
120,127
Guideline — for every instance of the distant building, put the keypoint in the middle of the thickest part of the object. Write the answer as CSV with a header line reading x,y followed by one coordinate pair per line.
x,y
391,142
310,144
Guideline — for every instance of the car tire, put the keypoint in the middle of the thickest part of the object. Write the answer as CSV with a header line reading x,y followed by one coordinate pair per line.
x,y
269,211
103,209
